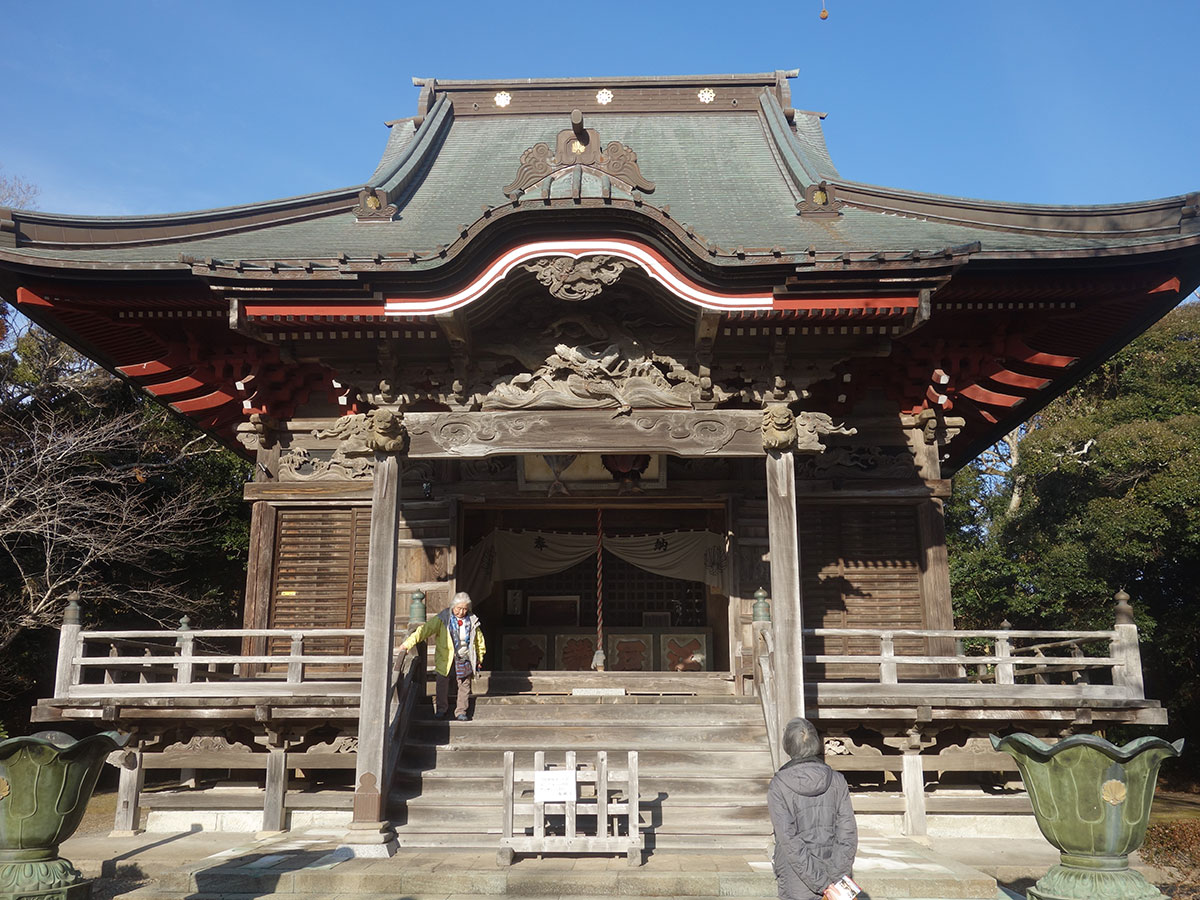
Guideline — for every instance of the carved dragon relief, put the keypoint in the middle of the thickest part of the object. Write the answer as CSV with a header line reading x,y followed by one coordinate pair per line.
x,y
612,369
577,279
620,358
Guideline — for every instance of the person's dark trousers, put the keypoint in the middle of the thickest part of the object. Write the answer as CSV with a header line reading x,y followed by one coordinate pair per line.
x,y
442,700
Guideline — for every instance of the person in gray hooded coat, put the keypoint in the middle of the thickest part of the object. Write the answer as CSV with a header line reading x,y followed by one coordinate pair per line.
x,y
815,834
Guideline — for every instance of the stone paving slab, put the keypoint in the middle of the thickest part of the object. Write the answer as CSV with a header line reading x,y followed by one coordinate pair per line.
x,y
300,865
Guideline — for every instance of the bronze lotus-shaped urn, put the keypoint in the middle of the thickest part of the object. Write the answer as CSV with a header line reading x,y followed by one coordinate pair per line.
x,y
1092,802
46,781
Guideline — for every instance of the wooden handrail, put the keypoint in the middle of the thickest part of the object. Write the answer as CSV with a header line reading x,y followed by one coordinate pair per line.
x,y
764,662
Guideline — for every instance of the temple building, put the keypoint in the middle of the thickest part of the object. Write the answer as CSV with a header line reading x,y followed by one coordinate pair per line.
x,y
678,404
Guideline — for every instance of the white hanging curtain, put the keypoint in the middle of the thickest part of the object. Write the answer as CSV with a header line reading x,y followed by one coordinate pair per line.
x,y
509,555
686,555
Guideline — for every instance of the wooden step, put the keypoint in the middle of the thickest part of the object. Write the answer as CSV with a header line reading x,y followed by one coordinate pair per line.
x,y
489,786
695,715
678,817
651,762
650,683
580,736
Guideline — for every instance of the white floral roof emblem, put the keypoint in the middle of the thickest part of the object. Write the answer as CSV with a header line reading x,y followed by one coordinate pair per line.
x,y
706,95
503,98
604,96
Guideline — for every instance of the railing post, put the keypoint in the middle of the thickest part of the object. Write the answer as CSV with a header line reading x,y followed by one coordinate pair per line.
x,y
127,820
1128,673
887,658
185,641
1004,670
960,651
295,669
912,782
70,645
1078,676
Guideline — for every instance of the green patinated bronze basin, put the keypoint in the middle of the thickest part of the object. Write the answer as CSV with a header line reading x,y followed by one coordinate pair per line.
x,y
1092,801
46,781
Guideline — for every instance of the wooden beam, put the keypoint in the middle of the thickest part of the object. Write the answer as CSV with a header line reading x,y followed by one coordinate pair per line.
x,y
683,432
379,624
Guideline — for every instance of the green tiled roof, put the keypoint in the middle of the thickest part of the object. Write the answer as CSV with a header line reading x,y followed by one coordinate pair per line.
x,y
735,177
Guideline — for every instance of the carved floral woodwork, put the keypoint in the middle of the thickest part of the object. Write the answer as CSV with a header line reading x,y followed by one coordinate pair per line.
x,y
577,279
474,434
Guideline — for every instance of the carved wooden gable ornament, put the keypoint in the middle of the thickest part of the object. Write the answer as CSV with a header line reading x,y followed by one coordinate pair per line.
x,y
578,147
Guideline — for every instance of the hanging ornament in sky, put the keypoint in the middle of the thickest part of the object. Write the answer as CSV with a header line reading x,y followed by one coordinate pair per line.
x,y
824,11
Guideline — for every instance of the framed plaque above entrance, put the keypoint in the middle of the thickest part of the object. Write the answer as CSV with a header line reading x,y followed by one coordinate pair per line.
x,y
561,609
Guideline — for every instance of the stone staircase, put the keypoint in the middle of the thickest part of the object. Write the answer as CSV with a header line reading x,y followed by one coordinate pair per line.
x,y
703,759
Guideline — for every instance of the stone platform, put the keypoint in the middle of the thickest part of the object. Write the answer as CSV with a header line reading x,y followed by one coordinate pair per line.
x,y
303,865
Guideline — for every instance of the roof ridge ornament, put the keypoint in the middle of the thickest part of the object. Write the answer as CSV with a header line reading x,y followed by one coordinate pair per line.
x,y
820,202
373,206
578,146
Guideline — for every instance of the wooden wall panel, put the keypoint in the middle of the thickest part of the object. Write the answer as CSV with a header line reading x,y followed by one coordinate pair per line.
x,y
861,567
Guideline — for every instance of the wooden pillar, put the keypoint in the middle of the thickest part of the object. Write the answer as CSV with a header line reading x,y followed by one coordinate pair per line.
x,y
786,611
935,584
371,781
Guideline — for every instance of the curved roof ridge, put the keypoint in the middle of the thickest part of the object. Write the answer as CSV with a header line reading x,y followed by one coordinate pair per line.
x,y
1142,217
411,159
806,160
400,135
40,217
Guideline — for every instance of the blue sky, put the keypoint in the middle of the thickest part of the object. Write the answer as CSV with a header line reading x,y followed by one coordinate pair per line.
x,y
121,108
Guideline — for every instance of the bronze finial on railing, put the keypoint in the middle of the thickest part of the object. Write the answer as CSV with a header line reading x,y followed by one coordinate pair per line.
x,y
416,610
761,611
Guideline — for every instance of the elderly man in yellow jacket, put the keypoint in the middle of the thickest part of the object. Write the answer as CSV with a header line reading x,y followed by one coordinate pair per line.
x,y
459,651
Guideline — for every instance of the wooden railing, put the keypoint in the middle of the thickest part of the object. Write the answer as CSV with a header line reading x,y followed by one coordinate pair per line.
x,y
206,663
764,663
1104,663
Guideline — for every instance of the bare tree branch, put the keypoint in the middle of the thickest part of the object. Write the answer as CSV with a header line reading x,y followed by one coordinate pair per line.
x,y
70,521
17,192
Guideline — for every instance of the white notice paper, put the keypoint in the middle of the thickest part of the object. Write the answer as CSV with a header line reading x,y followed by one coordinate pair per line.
x,y
555,786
